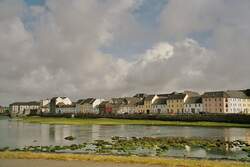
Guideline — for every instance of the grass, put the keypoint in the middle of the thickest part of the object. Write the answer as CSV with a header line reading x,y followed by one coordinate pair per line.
x,y
106,121
169,162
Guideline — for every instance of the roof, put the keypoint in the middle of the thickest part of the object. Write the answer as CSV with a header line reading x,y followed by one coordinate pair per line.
x,y
160,101
80,101
149,97
31,103
215,94
140,95
226,94
191,93
88,101
237,94
141,102
194,100
132,100
177,96
247,92
118,101
66,106
164,95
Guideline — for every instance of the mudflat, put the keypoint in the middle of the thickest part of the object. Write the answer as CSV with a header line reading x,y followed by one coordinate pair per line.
x,y
60,163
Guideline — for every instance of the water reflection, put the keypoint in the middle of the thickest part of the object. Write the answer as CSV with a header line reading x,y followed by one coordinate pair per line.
x,y
18,134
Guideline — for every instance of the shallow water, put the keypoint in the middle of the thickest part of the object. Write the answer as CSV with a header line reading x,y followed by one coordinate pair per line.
x,y
15,133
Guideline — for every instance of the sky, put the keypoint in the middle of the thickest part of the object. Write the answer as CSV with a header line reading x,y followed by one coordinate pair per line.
x,y
110,48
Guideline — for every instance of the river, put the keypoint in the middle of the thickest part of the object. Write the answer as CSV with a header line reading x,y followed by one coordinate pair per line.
x,y
14,133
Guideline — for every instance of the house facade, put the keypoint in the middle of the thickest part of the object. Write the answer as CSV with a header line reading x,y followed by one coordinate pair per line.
x,y
65,109
193,105
44,108
24,108
129,106
176,101
159,106
215,102
1,109
232,101
78,105
139,109
56,100
238,102
90,106
148,101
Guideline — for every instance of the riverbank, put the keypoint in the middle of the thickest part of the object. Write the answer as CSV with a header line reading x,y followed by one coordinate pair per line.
x,y
133,161
109,121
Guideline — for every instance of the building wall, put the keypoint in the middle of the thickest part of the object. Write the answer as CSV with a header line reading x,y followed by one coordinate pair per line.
x,y
215,105
126,109
237,105
1,109
193,108
23,109
65,110
139,109
86,108
159,109
175,106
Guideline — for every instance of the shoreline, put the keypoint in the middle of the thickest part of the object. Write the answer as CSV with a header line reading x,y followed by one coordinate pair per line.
x,y
111,121
131,160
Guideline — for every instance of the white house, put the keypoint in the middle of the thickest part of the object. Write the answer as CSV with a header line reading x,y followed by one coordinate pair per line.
x,y
96,104
159,106
129,106
66,109
24,108
45,105
237,102
55,101
193,105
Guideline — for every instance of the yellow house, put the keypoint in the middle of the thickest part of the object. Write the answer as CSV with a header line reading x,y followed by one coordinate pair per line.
x,y
145,106
176,101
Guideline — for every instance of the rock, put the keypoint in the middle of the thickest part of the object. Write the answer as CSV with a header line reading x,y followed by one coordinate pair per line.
x,y
70,138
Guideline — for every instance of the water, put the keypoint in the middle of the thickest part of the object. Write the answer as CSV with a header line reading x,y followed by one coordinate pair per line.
x,y
15,133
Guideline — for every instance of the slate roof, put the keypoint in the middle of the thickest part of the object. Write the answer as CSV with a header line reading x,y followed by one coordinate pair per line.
x,y
226,94
215,94
164,95
88,101
237,94
140,95
31,103
177,96
194,100
80,101
149,97
160,101
132,100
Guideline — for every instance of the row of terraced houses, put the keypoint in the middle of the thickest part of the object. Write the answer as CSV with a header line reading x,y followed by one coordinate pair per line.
x,y
187,102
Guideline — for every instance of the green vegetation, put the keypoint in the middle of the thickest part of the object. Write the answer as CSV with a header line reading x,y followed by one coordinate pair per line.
x,y
146,146
124,159
107,121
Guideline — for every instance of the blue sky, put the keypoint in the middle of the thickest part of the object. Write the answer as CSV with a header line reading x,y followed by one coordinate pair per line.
x,y
147,15
35,2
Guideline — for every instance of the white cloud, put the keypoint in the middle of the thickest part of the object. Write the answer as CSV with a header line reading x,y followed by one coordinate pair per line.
x,y
59,54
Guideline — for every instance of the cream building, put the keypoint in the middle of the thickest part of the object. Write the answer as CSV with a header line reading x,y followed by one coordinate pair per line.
x,y
231,101
193,105
24,108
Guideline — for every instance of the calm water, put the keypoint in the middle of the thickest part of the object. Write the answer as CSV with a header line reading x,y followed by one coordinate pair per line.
x,y
18,134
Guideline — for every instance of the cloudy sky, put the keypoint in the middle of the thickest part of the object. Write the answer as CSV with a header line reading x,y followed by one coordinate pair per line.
x,y
103,48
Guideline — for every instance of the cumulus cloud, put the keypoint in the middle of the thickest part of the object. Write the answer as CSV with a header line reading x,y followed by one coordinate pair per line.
x,y
55,49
